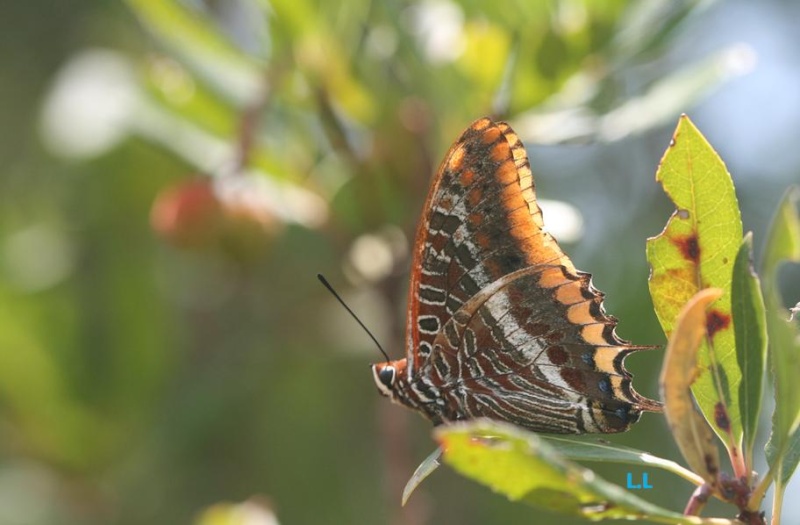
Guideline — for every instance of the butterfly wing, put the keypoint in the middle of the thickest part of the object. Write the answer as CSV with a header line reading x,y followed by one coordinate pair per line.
x,y
516,352
499,318
481,222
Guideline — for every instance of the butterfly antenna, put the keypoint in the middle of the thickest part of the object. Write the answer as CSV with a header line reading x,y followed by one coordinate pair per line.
x,y
327,285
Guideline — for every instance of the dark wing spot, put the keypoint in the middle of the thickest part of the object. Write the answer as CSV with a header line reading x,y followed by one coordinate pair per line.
x,y
557,355
623,413
574,378
464,256
428,324
537,329
451,224
432,295
424,349
512,261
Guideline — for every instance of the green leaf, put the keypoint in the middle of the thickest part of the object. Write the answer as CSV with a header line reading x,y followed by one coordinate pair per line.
x,y
35,388
573,450
783,458
691,432
697,250
668,95
524,467
783,244
200,45
749,323
613,453
783,240
321,57
790,457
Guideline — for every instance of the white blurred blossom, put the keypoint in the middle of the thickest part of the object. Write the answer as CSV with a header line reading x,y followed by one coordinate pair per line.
x,y
90,104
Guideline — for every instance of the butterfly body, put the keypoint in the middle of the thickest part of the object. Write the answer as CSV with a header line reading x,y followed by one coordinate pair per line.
x,y
500,323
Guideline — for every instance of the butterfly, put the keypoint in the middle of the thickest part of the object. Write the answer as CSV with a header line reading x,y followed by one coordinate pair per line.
x,y
500,324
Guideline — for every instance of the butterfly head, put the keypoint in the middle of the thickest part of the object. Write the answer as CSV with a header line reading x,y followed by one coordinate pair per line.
x,y
387,375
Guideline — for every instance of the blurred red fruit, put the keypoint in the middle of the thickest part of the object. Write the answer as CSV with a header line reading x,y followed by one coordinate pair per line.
x,y
187,214
203,214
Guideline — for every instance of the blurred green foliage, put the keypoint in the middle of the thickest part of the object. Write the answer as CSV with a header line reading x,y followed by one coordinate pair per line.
x,y
141,381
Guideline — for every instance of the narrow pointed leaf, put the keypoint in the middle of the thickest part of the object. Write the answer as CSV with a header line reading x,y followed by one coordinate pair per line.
x,y
673,92
697,250
424,470
749,322
783,244
789,458
607,452
694,437
523,467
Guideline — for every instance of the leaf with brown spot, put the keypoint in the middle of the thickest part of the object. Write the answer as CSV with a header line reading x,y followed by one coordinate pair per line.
x,y
697,250
692,433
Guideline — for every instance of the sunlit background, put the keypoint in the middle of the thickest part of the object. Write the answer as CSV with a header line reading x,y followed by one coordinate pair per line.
x,y
175,174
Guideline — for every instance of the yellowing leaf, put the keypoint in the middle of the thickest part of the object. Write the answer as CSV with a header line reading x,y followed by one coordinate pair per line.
x,y
697,250
524,467
690,430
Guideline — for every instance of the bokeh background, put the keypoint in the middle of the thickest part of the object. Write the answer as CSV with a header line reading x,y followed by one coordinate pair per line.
x,y
175,174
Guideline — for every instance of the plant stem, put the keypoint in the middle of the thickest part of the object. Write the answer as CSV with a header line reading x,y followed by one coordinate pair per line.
x,y
777,504
758,494
698,500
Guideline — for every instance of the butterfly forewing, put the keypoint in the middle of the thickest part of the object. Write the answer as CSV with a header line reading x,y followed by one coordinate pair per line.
x,y
500,323
480,222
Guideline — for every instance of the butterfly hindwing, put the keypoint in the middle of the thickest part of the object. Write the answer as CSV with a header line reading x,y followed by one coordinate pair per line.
x,y
510,347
